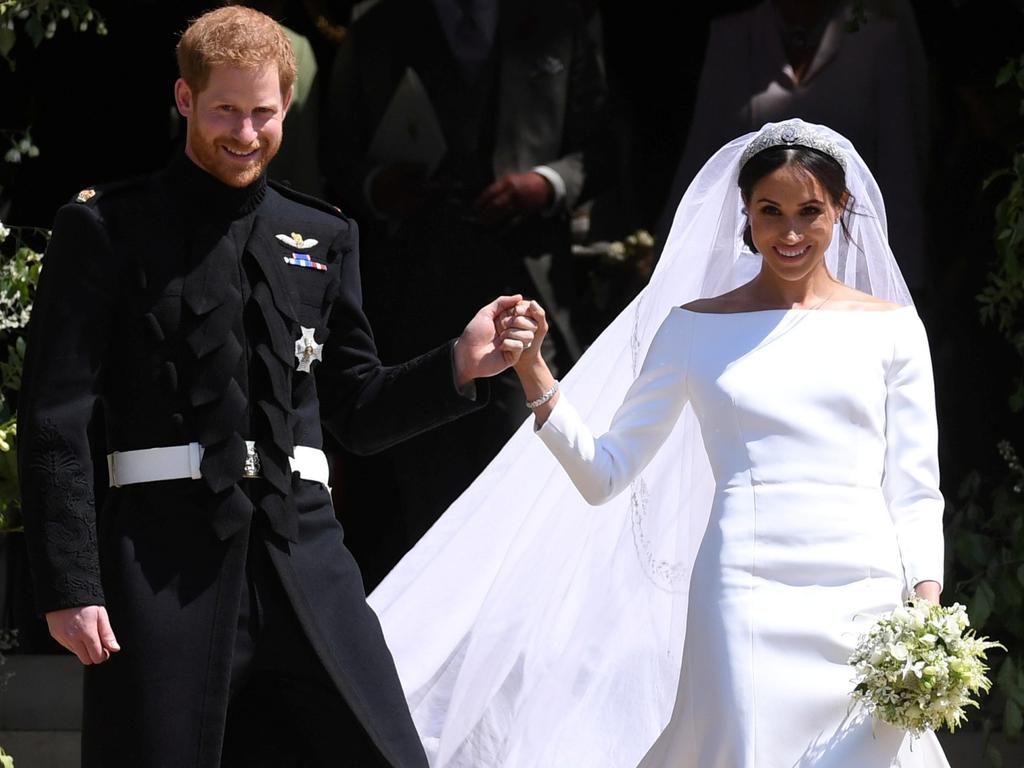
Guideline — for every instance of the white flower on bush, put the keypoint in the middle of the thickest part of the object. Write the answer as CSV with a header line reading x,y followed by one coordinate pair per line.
x,y
12,155
4,232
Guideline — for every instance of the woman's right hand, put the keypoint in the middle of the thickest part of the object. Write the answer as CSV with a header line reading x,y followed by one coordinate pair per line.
x,y
531,356
531,369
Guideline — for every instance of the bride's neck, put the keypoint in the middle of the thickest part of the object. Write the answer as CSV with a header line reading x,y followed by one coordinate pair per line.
x,y
810,292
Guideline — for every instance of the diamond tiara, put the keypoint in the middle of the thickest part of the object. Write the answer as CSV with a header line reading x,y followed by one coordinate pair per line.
x,y
792,133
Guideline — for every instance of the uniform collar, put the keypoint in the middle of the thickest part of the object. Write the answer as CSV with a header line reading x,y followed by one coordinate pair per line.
x,y
203,196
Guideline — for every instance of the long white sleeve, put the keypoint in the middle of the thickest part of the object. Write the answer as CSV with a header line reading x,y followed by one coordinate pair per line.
x,y
911,481
602,467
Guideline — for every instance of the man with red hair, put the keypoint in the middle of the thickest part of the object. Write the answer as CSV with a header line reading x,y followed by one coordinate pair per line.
x,y
207,324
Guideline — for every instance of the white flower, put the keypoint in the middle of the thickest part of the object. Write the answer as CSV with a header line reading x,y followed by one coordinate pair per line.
x,y
906,677
913,668
33,151
13,155
4,232
898,651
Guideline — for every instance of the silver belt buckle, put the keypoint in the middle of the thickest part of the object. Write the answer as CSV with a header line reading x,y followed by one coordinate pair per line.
x,y
252,461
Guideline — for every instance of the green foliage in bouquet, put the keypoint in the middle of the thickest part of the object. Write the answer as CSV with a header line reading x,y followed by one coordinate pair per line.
x,y
919,667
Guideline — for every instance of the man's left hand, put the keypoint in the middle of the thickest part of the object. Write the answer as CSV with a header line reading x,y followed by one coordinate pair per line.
x,y
493,340
515,194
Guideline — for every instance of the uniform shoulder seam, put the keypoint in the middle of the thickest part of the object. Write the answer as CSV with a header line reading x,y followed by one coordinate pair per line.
x,y
301,197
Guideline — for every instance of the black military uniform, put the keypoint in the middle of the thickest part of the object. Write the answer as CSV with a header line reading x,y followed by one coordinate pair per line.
x,y
169,312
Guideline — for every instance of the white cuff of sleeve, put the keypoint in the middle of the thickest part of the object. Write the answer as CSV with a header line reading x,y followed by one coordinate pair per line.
x,y
554,178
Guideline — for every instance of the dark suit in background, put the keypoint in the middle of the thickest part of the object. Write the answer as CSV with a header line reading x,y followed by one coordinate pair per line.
x,y
534,95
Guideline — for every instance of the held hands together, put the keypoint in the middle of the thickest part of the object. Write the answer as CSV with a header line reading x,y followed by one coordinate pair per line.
x,y
502,334
495,339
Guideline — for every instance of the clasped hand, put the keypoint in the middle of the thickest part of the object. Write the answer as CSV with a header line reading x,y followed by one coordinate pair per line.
x,y
495,339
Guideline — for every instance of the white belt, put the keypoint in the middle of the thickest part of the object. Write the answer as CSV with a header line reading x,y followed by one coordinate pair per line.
x,y
177,462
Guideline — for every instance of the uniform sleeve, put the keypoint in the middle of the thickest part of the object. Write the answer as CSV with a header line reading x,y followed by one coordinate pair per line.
x,y
69,334
911,480
601,468
367,406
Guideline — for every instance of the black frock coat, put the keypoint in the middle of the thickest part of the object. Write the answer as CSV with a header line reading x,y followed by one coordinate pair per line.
x,y
167,313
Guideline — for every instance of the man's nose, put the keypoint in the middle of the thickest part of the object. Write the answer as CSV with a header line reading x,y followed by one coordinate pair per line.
x,y
245,130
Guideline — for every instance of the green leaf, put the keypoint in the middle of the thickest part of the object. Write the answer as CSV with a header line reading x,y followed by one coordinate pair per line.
x,y
1010,593
994,176
994,756
34,27
1013,719
1006,677
7,38
1006,73
981,605
1017,401
973,549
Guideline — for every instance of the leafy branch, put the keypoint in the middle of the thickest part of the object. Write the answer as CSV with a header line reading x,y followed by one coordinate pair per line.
x,y
1002,299
40,19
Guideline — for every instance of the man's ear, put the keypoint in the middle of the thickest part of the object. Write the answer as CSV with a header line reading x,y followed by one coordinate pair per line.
x,y
288,99
183,97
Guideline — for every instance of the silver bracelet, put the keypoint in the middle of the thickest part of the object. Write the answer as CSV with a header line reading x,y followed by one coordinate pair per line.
x,y
548,394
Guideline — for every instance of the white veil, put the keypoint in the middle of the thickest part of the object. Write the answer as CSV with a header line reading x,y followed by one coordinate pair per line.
x,y
531,630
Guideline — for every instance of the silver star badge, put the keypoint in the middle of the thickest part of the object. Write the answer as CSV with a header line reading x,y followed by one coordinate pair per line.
x,y
307,350
295,240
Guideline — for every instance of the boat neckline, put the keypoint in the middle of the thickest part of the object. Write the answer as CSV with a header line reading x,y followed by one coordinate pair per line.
x,y
801,309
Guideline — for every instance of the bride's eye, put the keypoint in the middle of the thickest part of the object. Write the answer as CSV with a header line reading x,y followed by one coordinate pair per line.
x,y
769,210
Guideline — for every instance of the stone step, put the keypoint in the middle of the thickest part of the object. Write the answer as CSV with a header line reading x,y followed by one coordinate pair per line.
x,y
42,693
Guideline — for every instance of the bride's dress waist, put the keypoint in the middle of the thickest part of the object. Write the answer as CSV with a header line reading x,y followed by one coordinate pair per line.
x,y
813,528
805,505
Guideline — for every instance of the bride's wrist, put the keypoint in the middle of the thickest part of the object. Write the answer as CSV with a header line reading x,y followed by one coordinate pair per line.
x,y
532,369
535,378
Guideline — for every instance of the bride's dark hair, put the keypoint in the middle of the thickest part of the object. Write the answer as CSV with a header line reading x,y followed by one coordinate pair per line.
x,y
825,169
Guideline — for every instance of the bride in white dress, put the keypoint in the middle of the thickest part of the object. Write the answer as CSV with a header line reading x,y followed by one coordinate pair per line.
x,y
773,487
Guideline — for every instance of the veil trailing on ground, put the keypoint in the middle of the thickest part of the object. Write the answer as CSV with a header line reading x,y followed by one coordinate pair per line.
x,y
532,630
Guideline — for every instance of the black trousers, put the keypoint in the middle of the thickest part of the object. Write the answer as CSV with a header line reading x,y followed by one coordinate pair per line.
x,y
284,711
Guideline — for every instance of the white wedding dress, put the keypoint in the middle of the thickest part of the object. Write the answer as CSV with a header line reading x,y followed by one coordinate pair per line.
x,y
820,429
531,630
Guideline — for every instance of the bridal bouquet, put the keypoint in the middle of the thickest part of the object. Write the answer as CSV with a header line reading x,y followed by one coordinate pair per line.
x,y
918,667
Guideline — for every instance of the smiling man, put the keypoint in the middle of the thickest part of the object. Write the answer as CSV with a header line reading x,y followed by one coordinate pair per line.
x,y
208,325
